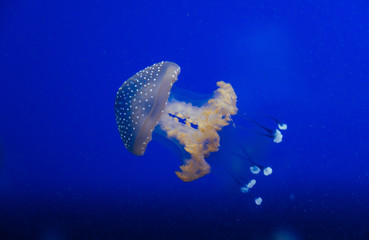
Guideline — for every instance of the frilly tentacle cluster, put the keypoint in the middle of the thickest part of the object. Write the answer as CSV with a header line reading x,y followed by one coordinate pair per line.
x,y
201,141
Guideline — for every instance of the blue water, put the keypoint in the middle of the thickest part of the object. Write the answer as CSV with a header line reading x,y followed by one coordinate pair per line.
x,y
64,171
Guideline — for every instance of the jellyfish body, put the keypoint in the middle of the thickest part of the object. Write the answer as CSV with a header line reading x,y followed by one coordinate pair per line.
x,y
142,103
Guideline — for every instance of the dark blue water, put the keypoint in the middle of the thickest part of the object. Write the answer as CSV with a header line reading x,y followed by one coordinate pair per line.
x,y
64,171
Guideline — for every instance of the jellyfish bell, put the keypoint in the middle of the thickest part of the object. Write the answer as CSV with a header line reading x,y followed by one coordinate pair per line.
x,y
140,101
143,102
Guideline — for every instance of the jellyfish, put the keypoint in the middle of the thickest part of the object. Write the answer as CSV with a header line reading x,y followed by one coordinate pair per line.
x,y
144,102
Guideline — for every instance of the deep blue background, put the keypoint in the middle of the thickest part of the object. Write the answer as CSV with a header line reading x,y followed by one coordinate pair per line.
x,y
64,172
